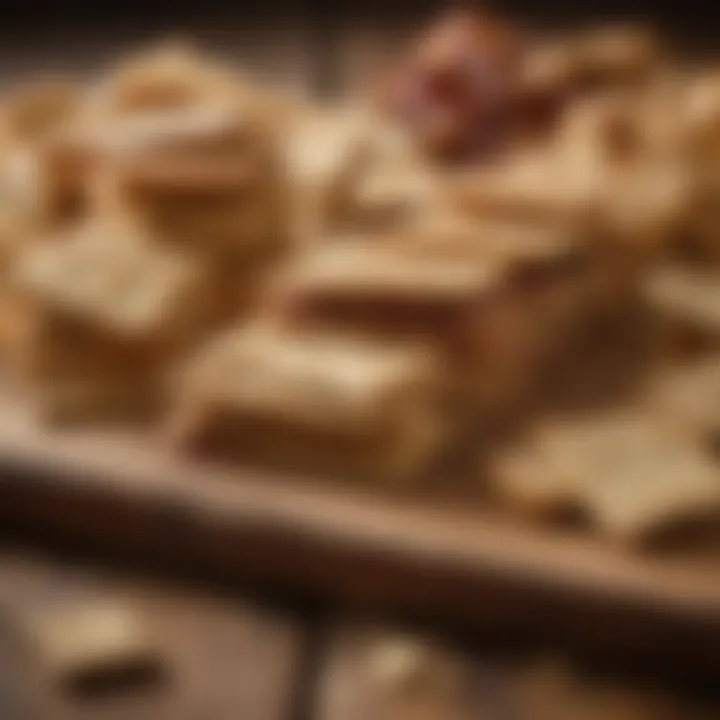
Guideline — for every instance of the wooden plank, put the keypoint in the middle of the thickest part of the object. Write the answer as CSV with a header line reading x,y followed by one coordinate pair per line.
x,y
466,567
219,658
374,673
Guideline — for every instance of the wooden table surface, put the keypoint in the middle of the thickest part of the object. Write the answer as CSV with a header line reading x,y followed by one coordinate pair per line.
x,y
229,655
218,657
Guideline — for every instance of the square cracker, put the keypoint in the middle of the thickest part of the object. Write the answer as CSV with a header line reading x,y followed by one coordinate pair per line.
x,y
107,277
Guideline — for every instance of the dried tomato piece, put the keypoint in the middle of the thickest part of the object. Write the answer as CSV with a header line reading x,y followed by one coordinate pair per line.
x,y
454,89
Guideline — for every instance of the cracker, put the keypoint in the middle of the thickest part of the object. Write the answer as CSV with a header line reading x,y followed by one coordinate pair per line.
x,y
700,117
556,69
66,163
618,54
37,109
600,129
648,209
687,296
383,290
549,69
497,300
391,195
529,187
633,475
326,153
661,487
441,269
22,200
207,178
210,148
313,402
371,271
688,395
70,373
389,674
88,638
107,277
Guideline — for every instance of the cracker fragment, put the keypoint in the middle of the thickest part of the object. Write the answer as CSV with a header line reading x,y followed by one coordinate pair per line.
x,y
75,640
633,475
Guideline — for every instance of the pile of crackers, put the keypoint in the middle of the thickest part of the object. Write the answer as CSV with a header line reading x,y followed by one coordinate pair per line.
x,y
325,287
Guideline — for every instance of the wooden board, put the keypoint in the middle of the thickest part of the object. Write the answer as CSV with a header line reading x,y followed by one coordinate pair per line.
x,y
218,657
455,563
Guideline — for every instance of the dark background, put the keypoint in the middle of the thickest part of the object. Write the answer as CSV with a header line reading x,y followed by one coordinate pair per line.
x,y
690,15
315,43
41,25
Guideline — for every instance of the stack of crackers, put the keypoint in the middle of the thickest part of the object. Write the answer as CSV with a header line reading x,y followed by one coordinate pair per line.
x,y
317,287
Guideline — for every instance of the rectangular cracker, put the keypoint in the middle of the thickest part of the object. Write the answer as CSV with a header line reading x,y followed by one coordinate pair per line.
x,y
447,268
383,290
532,187
371,271
313,403
498,300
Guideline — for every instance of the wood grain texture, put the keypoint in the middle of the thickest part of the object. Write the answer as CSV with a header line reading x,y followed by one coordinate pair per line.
x,y
219,658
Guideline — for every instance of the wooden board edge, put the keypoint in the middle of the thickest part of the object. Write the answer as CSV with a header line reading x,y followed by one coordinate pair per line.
x,y
366,554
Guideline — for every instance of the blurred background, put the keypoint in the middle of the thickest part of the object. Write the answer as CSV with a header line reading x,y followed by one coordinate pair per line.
x,y
88,634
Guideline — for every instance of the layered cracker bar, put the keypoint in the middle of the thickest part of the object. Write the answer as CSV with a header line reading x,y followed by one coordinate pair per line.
x,y
313,403
102,305
498,300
